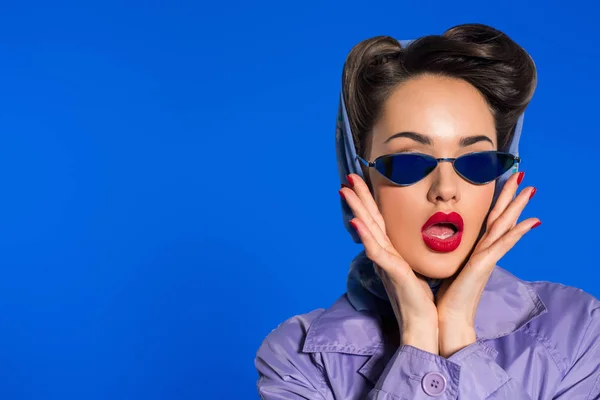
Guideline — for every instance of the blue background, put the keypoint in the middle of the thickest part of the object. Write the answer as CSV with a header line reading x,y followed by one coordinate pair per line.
x,y
169,185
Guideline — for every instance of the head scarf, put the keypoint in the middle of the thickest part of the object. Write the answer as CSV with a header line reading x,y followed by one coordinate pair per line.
x,y
364,287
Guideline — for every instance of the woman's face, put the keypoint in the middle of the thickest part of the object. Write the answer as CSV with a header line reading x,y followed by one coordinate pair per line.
x,y
439,113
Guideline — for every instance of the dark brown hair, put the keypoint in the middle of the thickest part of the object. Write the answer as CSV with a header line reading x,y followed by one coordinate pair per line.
x,y
486,58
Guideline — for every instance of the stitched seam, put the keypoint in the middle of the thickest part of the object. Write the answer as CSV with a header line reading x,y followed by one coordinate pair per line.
x,y
535,297
589,296
554,354
493,353
434,358
419,356
342,348
478,345
460,357
309,338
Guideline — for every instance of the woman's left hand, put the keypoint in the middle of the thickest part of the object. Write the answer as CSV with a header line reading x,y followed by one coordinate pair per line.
x,y
458,297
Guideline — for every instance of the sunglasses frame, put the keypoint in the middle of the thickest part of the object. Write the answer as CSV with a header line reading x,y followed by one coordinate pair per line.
x,y
372,164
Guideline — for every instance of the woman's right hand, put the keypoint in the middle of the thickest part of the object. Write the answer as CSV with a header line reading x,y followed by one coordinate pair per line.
x,y
410,296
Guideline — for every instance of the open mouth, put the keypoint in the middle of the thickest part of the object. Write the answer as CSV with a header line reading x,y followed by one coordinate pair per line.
x,y
443,232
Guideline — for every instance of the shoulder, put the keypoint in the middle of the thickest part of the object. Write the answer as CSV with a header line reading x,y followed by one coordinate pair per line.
x,y
566,304
570,328
290,335
283,366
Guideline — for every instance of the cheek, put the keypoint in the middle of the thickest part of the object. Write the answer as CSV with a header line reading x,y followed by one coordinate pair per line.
x,y
402,209
476,202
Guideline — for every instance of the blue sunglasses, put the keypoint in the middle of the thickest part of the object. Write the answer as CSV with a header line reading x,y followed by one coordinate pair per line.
x,y
406,169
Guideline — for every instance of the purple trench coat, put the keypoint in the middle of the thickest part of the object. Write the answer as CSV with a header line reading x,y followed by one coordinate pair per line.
x,y
535,340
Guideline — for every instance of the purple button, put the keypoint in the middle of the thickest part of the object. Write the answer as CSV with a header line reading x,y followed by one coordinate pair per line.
x,y
434,383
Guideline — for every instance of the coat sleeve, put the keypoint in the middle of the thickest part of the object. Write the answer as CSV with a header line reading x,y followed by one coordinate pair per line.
x,y
469,374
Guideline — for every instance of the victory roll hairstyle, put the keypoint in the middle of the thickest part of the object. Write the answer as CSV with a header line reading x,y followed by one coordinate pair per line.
x,y
486,58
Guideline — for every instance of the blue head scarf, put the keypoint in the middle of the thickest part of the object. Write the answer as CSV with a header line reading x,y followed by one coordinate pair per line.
x,y
364,288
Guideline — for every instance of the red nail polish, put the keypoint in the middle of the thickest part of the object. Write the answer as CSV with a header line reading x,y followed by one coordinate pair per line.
x,y
342,194
349,178
532,193
536,224
354,225
520,178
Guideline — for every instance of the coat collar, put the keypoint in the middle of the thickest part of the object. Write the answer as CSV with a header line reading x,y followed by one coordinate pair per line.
x,y
506,305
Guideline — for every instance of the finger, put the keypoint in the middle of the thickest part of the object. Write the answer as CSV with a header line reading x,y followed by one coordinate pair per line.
x,y
364,194
360,211
501,246
503,201
480,266
509,217
506,196
390,263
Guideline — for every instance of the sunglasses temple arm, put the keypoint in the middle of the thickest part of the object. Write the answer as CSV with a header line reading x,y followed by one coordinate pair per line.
x,y
365,162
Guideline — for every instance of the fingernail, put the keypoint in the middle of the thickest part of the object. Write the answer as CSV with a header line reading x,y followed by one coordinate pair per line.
x,y
354,225
536,224
532,193
350,181
342,194
520,178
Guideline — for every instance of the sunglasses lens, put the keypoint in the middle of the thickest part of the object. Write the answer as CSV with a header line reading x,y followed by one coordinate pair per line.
x,y
483,167
405,169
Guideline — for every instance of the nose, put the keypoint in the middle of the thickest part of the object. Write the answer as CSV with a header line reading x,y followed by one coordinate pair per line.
x,y
444,184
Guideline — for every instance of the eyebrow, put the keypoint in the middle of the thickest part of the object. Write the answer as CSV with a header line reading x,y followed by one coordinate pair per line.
x,y
426,140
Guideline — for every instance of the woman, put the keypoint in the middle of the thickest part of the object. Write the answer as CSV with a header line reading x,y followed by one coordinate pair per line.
x,y
427,146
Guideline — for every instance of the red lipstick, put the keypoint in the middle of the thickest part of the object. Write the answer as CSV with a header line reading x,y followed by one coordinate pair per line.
x,y
443,232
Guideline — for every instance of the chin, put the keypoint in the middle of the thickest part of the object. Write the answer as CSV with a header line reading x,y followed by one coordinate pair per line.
x,y
437,273
439,265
